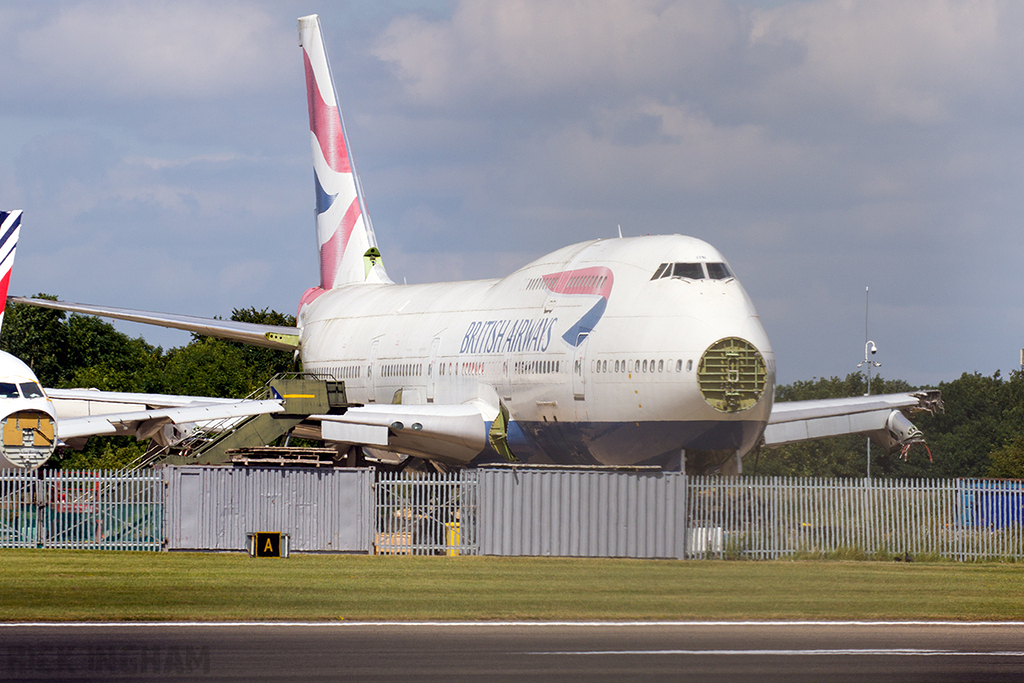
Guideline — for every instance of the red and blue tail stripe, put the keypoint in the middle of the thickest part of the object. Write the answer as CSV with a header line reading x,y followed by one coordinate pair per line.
x,y
10,229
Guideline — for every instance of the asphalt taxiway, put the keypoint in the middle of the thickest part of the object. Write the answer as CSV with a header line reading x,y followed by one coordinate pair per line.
x,y
790,651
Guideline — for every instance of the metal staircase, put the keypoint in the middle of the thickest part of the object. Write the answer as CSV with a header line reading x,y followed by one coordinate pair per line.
x,y
303,395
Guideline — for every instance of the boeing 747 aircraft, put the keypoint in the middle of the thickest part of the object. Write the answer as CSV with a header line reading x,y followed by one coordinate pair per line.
x,y
628,351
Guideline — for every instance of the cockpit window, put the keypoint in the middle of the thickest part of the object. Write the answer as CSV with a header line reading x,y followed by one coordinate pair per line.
x,y
8,390
31,390
718,271
692,271
661,270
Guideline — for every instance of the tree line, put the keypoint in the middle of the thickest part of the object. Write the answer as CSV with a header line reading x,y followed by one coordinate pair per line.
x,y
981,433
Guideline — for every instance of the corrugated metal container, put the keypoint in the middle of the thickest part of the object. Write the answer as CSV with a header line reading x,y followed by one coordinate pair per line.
x,y
322,510
581,513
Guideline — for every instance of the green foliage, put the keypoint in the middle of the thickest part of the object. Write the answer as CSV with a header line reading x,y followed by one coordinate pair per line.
x,y
38,336
262,361
982,416
1007,462
215,367
209,367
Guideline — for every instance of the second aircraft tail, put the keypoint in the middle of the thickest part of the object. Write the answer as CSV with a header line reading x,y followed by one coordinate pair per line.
x,y
10,228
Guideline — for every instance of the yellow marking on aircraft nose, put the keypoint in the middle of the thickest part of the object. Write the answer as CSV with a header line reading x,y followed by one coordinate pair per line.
x,y
298,395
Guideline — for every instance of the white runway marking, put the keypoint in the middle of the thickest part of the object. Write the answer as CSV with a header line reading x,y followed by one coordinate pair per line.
x,y
897,652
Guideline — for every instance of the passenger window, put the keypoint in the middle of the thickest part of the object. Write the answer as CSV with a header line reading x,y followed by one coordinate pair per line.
x,y
679,366
692,271
718,271
31,390
8,390
661,366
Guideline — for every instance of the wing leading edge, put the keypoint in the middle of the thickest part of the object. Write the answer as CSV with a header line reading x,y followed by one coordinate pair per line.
x,y
881,417
271,336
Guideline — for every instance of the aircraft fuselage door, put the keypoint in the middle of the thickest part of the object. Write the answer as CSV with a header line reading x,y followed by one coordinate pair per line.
x,y
579,367
432,369
506,376
371,372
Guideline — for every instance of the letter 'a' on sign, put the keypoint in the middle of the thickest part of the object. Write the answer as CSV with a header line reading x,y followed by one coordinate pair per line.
x,y
268,544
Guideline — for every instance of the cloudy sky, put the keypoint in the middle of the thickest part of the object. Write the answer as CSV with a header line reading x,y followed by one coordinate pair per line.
x,y
161,153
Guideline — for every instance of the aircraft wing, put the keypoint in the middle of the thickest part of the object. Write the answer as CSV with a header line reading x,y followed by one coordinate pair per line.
x,y
451,433
150,423
882,417
271,336
84,402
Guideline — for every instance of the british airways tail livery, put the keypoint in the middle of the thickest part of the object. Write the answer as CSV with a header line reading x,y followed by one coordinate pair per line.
x,y
344,235
628,351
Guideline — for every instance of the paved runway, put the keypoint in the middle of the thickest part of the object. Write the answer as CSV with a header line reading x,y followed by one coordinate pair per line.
x,y
513,652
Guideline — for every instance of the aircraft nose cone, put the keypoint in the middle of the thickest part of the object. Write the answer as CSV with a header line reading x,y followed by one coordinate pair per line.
x,y
732,375
27,438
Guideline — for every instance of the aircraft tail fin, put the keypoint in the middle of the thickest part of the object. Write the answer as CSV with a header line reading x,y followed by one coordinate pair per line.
x,y
348,247
10,229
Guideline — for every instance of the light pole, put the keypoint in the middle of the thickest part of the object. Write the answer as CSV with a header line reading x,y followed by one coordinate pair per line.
x,y
869,348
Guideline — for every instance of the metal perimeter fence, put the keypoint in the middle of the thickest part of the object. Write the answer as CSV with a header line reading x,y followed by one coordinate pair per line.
x,y
84,509
767,518
426,513
560,513
572,512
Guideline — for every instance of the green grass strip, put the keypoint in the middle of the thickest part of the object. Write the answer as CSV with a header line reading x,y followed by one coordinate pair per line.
x,y
66,585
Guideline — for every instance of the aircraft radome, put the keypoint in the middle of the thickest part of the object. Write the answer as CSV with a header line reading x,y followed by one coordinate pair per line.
x,y
627,351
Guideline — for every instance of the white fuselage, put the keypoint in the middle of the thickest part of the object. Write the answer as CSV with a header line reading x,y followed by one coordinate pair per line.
x,y
596,362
